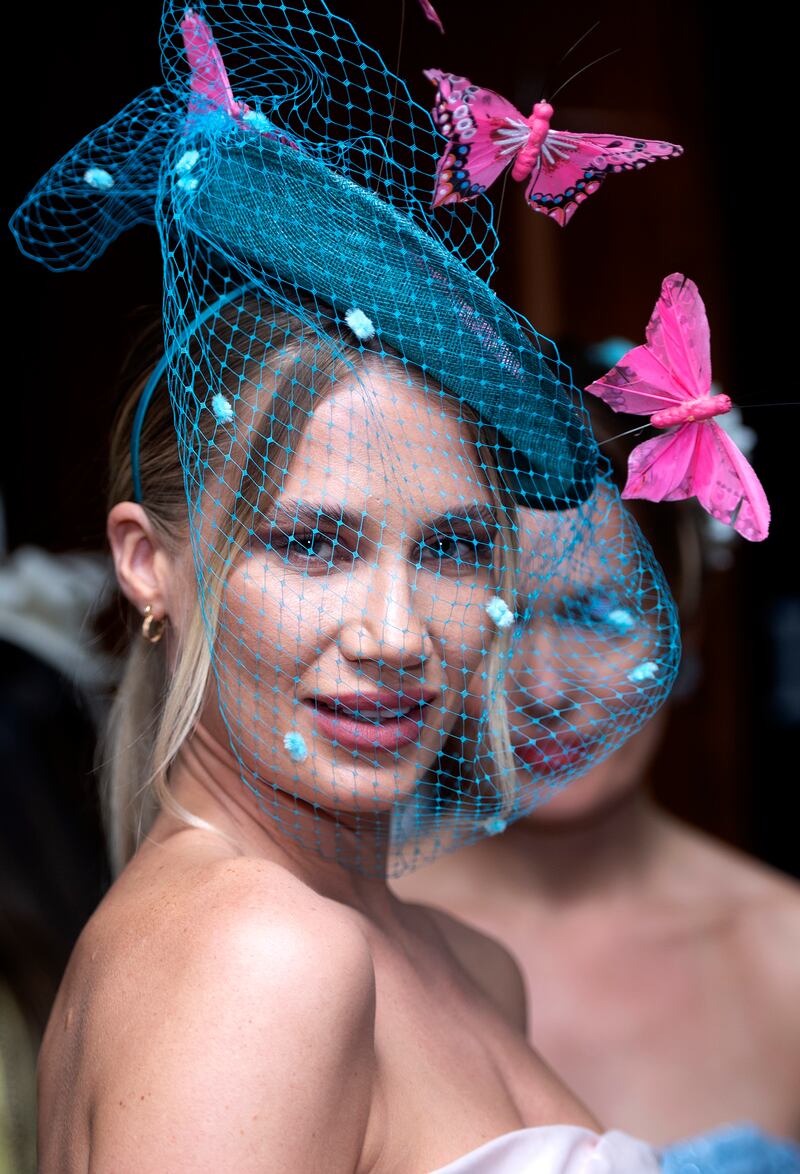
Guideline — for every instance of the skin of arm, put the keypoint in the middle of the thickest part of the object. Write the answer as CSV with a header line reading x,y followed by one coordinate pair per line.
x,y
239,1031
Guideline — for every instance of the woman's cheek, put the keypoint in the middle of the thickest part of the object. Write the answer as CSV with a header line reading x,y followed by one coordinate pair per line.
x,y
465,639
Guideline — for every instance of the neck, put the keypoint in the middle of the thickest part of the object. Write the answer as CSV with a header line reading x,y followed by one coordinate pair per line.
x,y
207,781
610,851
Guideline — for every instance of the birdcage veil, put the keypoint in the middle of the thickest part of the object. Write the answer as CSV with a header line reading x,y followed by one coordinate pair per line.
x,y
404,534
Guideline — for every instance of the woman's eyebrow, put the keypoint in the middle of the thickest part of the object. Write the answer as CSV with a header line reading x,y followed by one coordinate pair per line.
x,y
310,514
478,513
305,513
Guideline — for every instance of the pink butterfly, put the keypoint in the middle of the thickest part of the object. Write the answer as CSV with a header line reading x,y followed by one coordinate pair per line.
x,y
210,84
669,379
485,133
209,78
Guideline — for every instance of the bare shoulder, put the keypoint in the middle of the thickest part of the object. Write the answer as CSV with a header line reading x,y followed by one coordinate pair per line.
x,y
489,964
758,911
768,934
733,879
231,922
219,1020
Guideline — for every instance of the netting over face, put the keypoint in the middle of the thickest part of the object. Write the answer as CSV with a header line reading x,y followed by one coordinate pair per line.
x,y
426,607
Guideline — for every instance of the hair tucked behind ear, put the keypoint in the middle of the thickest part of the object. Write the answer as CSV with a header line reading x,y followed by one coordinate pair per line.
x,y
159,700
154,709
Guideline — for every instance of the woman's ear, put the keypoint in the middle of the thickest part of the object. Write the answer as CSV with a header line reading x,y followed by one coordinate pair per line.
x,y
140,560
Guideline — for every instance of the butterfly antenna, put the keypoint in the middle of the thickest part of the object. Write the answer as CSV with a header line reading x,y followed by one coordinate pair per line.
x,y
400,41
502,198
578,72
791,403
564,56
619,435
574,46
784,403
396,81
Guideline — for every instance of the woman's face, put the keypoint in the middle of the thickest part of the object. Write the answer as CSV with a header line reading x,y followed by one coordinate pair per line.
x,y
587,666
606,783
353,620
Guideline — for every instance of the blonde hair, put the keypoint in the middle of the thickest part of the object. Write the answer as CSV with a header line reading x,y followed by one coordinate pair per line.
x,y
156,706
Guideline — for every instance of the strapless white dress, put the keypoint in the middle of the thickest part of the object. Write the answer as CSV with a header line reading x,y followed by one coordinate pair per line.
x,y
558,1149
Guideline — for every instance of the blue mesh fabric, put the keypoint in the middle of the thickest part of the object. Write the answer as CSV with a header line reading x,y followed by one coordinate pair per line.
x,y
426,607
734,1149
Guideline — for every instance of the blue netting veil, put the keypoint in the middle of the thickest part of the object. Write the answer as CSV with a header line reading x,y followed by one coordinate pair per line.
x,y
425,606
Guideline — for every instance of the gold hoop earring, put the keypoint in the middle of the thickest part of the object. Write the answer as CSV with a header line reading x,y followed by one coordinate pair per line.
x,y
152,628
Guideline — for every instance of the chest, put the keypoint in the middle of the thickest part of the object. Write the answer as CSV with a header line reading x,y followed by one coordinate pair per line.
x,y
665,1039
450,1073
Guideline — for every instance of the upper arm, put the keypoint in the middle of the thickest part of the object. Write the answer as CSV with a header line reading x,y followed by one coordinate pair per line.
x,y
250,1050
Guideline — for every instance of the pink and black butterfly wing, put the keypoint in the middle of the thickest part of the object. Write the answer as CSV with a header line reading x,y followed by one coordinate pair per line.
x,y
572,167
470,119
559,186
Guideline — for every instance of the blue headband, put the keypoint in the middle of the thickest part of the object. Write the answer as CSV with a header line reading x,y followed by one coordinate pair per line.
x,y
157,372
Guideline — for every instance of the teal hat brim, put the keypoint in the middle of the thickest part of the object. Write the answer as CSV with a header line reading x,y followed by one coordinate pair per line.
x,y
267,206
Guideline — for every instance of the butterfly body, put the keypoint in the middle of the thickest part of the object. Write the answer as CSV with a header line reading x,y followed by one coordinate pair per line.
x,y
669,380
538,128
694,411
485,133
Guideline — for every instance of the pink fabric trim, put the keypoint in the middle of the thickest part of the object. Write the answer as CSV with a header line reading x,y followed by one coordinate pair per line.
x,y
558,1149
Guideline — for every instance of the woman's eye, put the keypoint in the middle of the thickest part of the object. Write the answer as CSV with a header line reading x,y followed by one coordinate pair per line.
x,y
313,546
441,547
455,550
598,610
308,548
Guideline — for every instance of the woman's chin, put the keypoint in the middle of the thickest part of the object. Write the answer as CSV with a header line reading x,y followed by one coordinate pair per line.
x,y
363,784
583,798
604,786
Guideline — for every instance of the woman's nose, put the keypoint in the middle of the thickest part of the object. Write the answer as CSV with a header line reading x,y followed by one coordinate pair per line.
x,y
550,681
385,627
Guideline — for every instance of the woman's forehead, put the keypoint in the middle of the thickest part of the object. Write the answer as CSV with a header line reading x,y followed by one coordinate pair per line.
x,y
378,441
593,525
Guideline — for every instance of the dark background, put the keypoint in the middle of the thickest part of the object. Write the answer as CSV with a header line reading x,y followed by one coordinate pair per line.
x,y
722,214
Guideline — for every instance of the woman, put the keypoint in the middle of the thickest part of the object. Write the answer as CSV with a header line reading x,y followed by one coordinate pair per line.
x,y
660,967
315,516
191,1014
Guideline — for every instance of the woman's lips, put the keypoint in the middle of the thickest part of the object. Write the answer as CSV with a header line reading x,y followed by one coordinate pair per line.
x,y
379,722
548,755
